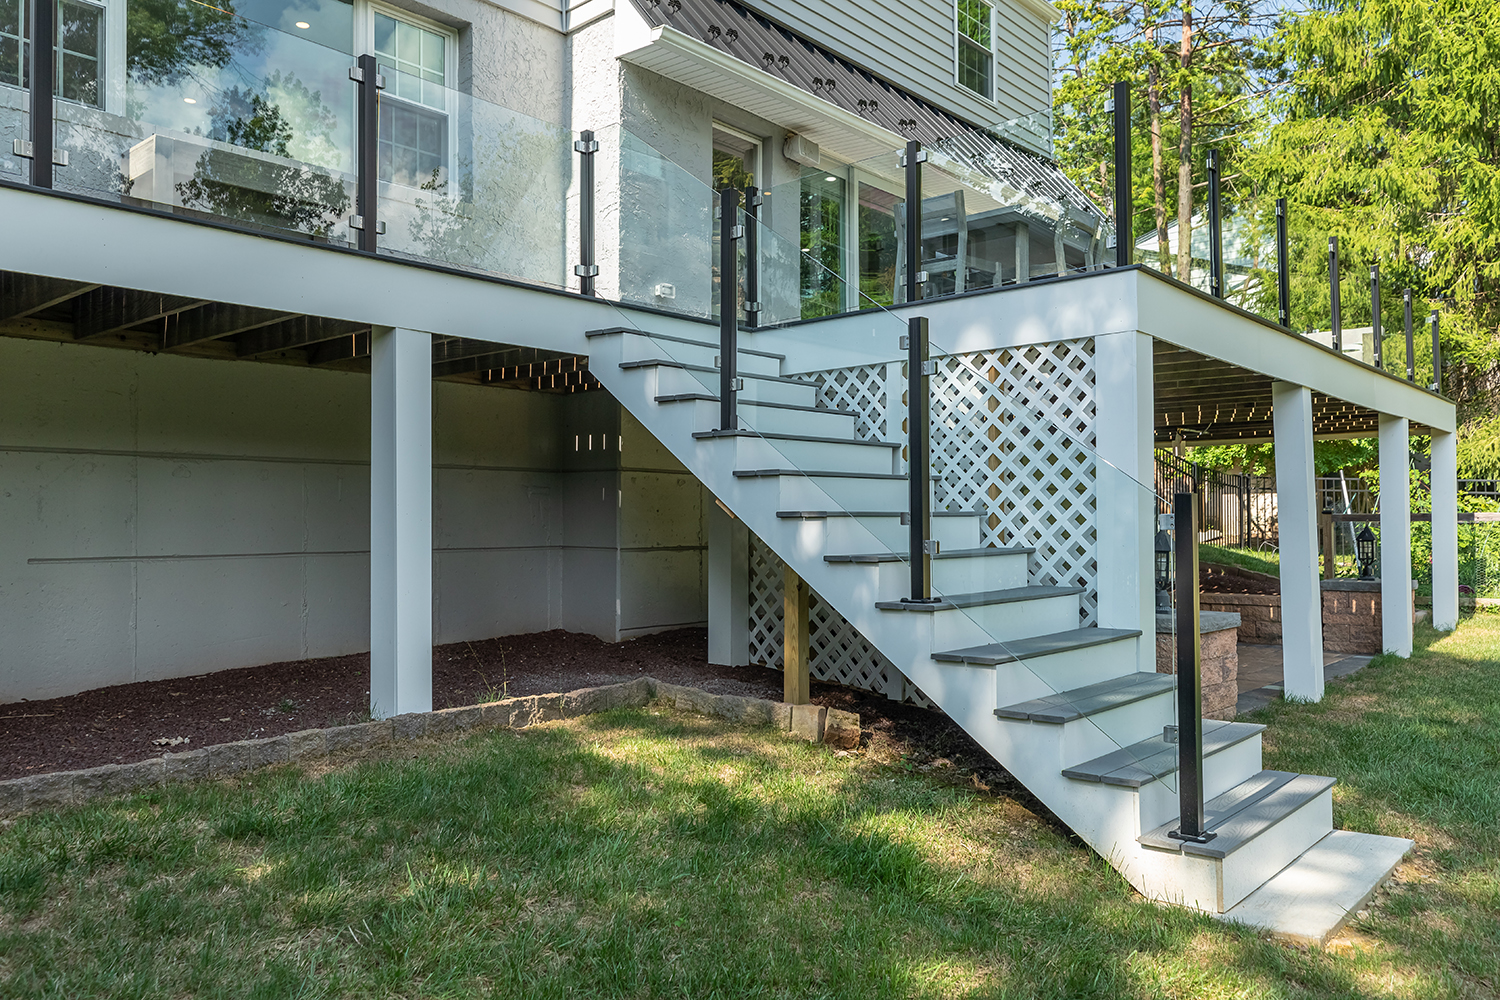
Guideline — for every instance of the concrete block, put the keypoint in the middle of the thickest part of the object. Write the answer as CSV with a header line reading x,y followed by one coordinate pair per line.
x,y
358,737
807,722
636,693
117,779
549,707
781,716
497,713
48,790
247,755
12,796
191,765
841,729
588,701
448,720
308,744
409,726
521,712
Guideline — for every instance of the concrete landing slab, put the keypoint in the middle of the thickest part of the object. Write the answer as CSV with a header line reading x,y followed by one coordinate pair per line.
x,y
1311,898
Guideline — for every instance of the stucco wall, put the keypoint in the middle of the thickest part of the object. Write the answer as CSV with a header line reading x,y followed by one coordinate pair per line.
x,y
164,516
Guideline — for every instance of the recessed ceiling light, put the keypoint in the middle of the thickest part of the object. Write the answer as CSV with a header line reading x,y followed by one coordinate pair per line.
x,y
190,100
830,177
303,25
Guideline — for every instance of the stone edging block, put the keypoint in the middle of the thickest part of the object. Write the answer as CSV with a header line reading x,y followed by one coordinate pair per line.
x,y
63,788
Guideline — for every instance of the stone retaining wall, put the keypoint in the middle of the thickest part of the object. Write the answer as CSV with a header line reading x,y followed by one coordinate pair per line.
x,y
1351,615
1220,657
64,788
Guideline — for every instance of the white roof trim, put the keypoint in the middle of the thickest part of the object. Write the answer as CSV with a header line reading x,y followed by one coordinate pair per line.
x,y
1042,10
677,56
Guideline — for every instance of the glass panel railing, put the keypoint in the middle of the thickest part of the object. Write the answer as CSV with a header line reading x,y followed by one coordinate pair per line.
x,y
471,184
213,115
1019,494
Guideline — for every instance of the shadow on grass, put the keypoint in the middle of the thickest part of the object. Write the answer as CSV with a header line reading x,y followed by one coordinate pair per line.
x,y
627,854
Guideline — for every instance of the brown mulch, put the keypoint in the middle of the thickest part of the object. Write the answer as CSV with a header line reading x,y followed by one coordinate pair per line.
x,y
1215,578
116,725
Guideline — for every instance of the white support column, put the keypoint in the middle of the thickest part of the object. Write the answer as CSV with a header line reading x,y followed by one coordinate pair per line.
x,y
728,587
400,522
1126,511
1444,481
1395,535
1297,527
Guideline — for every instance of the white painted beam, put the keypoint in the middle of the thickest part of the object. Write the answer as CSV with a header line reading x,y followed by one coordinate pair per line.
x,y
1297,526
1127,506
1444,482
1395,534
728,588
400,522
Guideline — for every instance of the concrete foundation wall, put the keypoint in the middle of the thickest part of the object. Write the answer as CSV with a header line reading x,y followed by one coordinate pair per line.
x,y
163,517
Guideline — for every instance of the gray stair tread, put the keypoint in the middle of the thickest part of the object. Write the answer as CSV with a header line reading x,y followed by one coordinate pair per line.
x,y
1080,703
673,363
774,436
988,597
772,473
994,654
818,515
1142,763
1252,821
708,397
617,330
1219,808
880,557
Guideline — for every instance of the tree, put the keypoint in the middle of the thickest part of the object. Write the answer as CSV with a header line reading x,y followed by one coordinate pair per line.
x,y
1197,63
1385,131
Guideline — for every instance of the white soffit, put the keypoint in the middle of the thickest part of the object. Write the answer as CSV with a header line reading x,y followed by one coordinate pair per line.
x,y
676,56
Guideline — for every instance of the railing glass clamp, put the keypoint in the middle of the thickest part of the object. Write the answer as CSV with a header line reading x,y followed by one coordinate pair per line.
x,y
586,270
1169,734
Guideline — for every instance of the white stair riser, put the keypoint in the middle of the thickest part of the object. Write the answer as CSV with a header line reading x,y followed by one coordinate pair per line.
x,y
973,574
1221,772
824,456
639,347
672,380
848,535
1105,732
838,493
1066,671
1248,868
1015,619
776,420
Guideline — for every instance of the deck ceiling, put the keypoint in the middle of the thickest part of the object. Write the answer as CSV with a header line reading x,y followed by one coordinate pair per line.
x,y
1206,399
39,308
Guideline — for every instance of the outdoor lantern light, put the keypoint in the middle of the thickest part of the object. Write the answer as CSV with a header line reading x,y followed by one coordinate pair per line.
x,y
1163,572
1366,542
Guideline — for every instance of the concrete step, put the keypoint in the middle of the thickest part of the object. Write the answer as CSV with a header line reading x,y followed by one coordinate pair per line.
x,y
861,529
1311,898
1080,703
814,488
674,378
768,418
694,352
1142,763
1013,613
753,450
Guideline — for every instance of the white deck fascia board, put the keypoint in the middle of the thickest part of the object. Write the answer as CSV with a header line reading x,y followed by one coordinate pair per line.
x,y
1197,323
85,241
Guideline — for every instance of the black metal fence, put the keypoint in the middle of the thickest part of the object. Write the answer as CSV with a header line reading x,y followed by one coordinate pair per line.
x,y
1234,510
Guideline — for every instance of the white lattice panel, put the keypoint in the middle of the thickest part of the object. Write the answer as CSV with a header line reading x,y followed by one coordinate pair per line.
x,y
1012,434
838,653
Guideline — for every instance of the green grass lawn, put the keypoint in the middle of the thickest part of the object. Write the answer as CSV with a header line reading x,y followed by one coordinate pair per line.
x,y
1267,561
645,854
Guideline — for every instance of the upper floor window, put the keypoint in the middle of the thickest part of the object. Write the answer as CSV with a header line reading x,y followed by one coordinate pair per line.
x,y
976,46
80,49
414,59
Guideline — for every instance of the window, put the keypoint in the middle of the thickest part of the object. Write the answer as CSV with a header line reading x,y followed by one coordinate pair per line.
x,y
80,48
414,106
976,56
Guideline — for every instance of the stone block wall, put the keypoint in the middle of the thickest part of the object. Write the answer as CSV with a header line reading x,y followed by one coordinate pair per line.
x,y
1260,614
1221,670
1351,616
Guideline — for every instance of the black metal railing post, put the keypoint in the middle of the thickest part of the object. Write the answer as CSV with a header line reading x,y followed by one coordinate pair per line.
x,y
1411,343
1192,824
753,201
586,269
1283,268
43,79
730,234
1375,311
915,276
918,386
1124,198
1437,369
1215,229
367,155
1334,310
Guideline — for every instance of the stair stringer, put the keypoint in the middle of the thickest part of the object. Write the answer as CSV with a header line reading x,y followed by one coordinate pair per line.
x,y
1106,817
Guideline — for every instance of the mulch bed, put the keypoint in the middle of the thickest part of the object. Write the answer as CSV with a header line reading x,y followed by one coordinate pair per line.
x,y
117,725
1216,578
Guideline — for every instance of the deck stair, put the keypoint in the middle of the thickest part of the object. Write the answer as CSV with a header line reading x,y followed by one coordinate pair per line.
x,y
1075,713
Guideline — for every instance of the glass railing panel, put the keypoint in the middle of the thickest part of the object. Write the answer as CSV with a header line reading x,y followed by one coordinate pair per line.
x,y
210,114
471,184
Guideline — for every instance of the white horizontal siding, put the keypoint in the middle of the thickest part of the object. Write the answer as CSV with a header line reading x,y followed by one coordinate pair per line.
x,y
911,44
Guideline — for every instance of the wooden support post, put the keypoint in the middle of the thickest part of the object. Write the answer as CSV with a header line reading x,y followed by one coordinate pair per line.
x,y
1325,535
796,685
